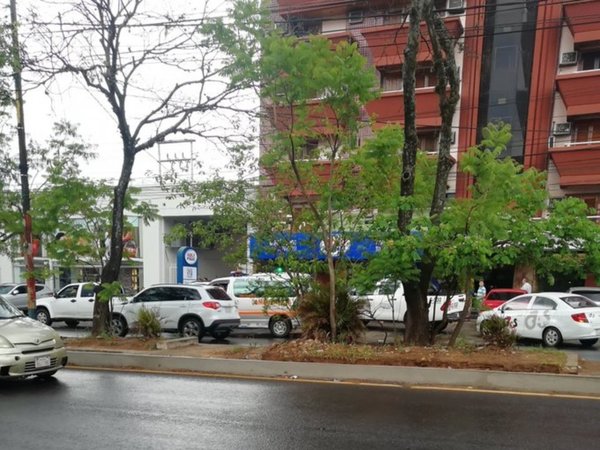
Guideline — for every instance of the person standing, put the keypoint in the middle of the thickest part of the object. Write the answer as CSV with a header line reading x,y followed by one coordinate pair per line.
x,y
479,296
526,286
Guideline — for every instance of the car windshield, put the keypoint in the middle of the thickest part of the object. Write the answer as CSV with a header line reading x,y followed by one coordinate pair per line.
x,y
576,301
8,311
6,288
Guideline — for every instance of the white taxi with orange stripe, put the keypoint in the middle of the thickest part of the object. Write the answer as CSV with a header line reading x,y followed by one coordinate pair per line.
x,y
263,301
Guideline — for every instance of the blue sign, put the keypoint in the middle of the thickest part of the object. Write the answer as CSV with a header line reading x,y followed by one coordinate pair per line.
x,y
187,265
307,247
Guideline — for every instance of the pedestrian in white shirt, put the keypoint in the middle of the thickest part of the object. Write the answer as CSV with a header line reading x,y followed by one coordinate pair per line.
x,y
526,286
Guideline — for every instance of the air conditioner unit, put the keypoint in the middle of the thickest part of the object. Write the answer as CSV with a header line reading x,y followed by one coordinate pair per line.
x,y
562,129
456,6
568,58
356,16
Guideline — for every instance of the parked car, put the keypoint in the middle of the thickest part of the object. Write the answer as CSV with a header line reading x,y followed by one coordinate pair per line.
x,y
254,294
28,347
72,304
16,293
497,296
387,303
189,310
593,293
552,317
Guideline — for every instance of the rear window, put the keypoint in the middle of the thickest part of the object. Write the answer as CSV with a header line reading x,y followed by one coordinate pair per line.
x,y
217,293
592,295
577,302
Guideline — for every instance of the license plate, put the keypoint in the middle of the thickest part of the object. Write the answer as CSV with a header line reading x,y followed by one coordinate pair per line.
x,y
42,361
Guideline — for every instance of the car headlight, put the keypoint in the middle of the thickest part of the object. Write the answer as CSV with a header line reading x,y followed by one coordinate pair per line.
x,y
5,343
58,342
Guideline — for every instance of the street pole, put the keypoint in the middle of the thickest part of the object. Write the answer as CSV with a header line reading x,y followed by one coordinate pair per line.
x,y
23,165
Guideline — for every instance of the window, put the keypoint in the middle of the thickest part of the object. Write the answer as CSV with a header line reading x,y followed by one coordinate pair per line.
x,y
543,303
310,149
22,289
592,295
425,77
577,302
388,288
518,303
174,294
391,80
590,61
244,288
428,142
39,287
87,290
149,295
68,291
218,294
586,131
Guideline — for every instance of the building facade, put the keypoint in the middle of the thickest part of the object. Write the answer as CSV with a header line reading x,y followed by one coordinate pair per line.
x,y
148,258
534,65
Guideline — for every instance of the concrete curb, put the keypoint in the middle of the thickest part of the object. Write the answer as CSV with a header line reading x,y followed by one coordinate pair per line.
x,y
479,379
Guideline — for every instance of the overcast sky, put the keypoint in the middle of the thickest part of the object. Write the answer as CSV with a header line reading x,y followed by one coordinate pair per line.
x,y
68,99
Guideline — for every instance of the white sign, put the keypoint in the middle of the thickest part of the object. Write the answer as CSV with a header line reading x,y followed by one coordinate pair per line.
x,y
190,256
190,274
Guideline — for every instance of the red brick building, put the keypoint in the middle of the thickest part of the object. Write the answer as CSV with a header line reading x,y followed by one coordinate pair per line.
x,y
533,64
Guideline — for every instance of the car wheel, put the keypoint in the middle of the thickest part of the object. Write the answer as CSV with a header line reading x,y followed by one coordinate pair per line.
x,y
221,334
280,327
587,342
551,337
42,315
192,327
118,326
72,323
47,375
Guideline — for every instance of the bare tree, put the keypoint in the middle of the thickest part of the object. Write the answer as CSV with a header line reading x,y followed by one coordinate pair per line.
x,y
183,74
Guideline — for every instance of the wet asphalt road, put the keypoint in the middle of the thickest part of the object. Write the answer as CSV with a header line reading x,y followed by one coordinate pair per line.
x,y
108,410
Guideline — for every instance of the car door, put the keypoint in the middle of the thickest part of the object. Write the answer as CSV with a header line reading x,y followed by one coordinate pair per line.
x,y
85,302
383,300
174,304
18,296
539,315
515,311
149,298
64,305
246,292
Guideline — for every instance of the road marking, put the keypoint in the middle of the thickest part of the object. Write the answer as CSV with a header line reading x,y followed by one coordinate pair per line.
x,y
505,392
290,379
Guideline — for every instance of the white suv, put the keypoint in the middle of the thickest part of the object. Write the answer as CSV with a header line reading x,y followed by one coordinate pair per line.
x,y
187,309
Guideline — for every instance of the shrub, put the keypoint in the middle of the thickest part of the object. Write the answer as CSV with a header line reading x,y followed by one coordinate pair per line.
x,y
313,311
148,323
495,331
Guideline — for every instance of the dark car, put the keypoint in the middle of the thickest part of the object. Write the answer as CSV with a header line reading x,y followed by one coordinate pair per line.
x,y
498,296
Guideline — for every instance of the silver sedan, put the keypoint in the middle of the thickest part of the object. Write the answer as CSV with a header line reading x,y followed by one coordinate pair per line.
x,y
28,347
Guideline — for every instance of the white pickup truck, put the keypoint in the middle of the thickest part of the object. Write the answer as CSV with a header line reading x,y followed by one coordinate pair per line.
x,y
387,303
73,303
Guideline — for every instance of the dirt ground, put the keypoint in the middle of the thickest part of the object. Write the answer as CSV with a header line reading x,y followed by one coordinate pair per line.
x,y
467,357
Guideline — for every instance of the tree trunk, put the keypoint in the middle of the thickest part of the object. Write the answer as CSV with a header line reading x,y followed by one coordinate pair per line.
x,y
332,292
110,272
464,314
